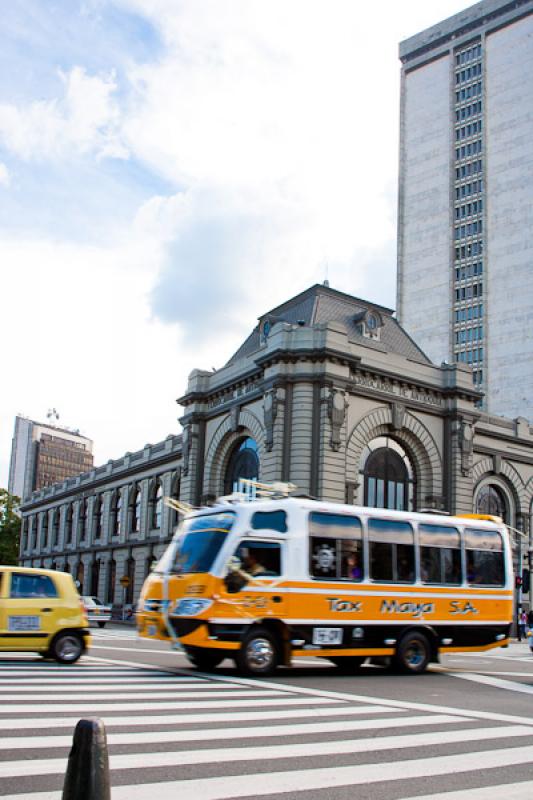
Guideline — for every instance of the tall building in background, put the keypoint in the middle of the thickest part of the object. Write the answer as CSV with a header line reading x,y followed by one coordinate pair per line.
x,y
465,234
43,454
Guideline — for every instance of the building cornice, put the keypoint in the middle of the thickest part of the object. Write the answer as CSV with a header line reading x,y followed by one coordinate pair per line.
x,y
53,494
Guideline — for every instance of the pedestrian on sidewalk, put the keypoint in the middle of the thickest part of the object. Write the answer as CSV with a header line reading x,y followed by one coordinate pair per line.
x,y
523,626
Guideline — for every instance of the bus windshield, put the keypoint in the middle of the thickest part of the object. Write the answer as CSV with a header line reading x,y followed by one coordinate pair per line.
x,y
196,544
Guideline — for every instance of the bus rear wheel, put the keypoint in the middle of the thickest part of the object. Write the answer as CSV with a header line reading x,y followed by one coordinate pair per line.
x,y
259,653
413,653
205,660
348,663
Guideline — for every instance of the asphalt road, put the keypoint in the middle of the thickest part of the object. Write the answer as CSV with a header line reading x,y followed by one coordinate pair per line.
x,y
462,730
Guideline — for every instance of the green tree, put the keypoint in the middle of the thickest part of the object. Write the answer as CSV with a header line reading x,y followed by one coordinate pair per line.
x,y
9,528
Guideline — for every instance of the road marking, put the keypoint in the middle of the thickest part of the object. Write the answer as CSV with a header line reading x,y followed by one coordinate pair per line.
x,y
139,705
53,766
343,696
56,681
209,692
268,783
135,650
188,719
511,791
248,732
510,686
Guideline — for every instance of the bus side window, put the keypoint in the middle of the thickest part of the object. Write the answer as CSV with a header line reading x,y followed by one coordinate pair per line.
x,y
440,554
392,551
255,559
484,558
335,547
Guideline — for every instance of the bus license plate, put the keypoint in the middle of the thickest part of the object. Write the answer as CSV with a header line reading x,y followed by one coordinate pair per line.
x,y
327,635
24,623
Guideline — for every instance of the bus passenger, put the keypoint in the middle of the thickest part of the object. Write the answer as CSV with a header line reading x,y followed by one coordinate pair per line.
x,y
353,568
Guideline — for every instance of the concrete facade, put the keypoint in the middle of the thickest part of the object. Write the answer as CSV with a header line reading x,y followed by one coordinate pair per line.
x,y
327,380
465,241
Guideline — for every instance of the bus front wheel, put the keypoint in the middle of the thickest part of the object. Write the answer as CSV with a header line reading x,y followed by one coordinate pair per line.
x,y
258,654
413,653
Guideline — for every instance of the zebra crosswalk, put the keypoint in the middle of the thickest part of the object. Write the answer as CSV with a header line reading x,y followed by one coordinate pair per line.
x,y
188,735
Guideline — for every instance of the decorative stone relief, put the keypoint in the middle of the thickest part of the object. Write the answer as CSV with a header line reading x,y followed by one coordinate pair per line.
x,y
398,416
466,443
270,411
235,414
337,406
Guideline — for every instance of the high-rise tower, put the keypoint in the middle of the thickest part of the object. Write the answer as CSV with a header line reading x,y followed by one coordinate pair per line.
x,y
465,238
45,454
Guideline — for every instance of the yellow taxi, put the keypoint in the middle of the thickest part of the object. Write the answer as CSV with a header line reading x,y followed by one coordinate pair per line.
x,y
42,612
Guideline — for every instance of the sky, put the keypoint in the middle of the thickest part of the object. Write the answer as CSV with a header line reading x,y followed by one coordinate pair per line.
x,y
169,171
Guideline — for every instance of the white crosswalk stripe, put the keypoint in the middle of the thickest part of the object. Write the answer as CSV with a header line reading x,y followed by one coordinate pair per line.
x,y
123,633
190,735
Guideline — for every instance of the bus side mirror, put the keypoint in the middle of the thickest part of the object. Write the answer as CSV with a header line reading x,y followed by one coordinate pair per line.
x,y
233,576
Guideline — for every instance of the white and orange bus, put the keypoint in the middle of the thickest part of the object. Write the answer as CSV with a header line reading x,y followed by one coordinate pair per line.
x,y
262,582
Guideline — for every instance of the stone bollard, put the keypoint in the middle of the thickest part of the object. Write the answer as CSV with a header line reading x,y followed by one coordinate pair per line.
x,y
87,776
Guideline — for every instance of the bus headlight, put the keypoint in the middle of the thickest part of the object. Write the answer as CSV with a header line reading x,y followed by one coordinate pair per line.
x,y
191,606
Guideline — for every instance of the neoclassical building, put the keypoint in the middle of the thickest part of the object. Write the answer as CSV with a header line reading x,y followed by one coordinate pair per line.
x,y
328,392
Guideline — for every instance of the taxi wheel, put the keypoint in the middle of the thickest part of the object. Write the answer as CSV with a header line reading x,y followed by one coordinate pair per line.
x,y
205,660
66,648
413,653
348,663
259,653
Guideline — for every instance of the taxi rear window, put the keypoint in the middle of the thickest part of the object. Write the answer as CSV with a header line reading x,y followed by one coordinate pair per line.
x,y
25,585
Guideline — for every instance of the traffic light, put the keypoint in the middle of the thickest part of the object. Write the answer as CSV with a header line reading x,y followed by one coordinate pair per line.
x,y
517,582
525,580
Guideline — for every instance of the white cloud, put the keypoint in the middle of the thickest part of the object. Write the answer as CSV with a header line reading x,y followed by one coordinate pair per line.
x,y
85,119
5,178
274,125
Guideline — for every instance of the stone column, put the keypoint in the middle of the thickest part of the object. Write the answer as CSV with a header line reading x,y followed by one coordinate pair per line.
x,y
333,408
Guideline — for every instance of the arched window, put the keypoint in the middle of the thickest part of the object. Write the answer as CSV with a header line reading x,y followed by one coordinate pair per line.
x,y
80,572
111,577
98,514
135,508
388,476
44,530
95,577
68,525
55,528
149,563
33,533
116,513
175,494
156,505
82,521
490,499
130,572
243,463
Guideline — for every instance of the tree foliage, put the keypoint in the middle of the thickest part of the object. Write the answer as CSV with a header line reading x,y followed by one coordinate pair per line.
x,y
9,528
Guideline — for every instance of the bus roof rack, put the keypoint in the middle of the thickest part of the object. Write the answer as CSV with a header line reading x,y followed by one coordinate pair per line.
x,y
178,505
274,489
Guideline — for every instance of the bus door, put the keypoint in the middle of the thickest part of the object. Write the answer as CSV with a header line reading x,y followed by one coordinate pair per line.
x,y
253,572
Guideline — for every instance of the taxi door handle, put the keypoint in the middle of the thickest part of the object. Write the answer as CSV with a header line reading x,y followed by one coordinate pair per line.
x,y
46,609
